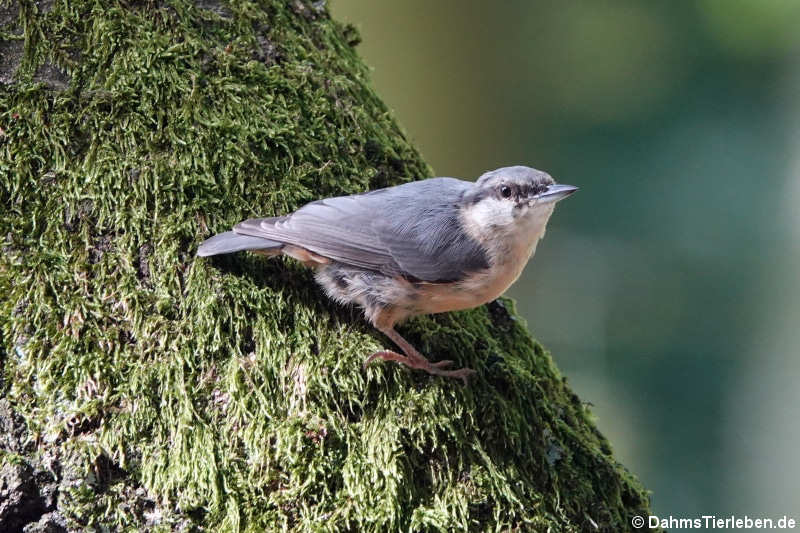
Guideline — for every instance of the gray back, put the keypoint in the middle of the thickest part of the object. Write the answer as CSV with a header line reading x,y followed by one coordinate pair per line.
x,y
412,230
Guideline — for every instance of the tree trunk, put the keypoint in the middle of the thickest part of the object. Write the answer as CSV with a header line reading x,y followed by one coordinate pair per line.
x,y
146,389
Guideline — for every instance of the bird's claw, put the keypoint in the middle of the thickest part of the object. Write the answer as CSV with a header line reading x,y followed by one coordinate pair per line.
x,y
386,355
421,363
462,373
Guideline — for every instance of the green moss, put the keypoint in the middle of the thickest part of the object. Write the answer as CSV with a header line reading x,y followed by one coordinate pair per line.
x,y
229,394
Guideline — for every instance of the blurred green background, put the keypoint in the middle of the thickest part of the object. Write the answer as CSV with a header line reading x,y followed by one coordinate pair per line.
x,y
668,288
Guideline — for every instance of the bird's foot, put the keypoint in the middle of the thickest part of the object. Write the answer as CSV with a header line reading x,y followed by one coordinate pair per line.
x,y
421,363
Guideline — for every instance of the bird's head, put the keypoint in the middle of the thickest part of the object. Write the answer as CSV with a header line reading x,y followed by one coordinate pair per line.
x,y
513,199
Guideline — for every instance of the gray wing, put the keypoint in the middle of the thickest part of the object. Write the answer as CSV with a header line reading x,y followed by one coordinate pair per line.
x,y
411,230
229,242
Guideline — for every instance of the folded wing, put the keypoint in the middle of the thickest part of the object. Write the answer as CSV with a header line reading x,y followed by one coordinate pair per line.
x,y
412,230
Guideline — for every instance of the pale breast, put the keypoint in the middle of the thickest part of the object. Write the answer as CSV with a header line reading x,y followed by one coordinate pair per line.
x,y
508,252
480,287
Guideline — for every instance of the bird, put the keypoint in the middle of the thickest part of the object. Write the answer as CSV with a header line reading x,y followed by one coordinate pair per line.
x,y
422,247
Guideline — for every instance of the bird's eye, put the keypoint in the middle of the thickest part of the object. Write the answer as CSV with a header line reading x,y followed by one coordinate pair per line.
x,y
505,191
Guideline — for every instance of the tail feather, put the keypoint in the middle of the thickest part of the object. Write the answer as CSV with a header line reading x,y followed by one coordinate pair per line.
x,y
229,242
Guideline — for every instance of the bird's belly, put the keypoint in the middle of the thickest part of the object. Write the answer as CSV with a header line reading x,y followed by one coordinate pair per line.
x,y
476,290
483,286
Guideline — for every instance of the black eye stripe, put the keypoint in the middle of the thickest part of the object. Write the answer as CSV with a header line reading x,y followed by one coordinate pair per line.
x,y
520,190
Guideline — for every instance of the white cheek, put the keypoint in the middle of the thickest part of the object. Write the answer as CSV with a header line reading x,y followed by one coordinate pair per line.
x,y
492,212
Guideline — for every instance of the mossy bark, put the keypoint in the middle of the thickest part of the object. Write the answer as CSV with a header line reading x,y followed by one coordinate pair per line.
x,y
145,389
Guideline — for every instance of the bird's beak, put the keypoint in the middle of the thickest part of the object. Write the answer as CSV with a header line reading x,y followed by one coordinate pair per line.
x,y
554,193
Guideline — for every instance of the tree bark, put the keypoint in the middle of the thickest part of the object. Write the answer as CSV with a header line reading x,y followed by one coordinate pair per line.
x,y
145,389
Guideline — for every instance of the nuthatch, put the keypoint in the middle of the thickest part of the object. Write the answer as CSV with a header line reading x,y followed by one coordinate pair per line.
x,y
429,246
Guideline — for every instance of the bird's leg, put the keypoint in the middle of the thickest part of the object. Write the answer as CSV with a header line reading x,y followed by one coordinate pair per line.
x,y
414,359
